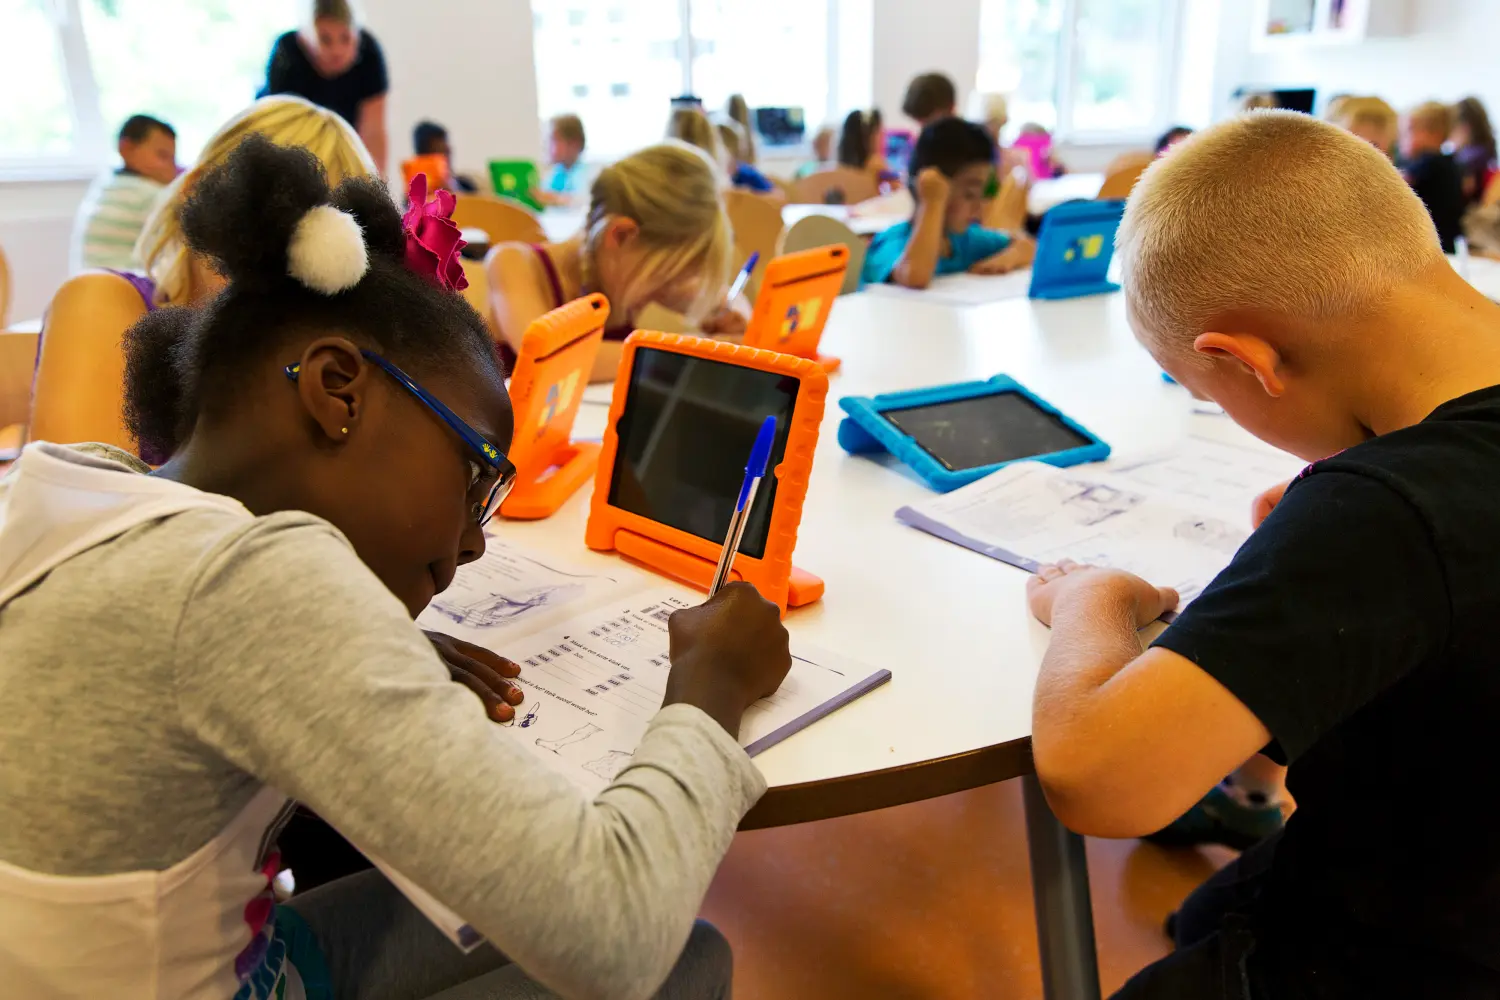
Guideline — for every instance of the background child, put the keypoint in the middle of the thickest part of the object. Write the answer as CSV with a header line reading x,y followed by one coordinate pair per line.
x,y
930,97
950,165
117,204
314,504
1171,137
431,139
741,173
822,150
1432,173
1283,269
565,145
1370,118
656,232
738,111
1473,146
691,125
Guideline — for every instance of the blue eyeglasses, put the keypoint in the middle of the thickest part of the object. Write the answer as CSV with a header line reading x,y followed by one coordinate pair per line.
x,y
493,458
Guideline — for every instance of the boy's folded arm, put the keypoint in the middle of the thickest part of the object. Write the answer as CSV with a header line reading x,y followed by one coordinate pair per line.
x,y
297,666
919,260
1337,596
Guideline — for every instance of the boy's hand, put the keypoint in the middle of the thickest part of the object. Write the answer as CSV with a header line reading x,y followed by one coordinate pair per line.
x,y
726,654
932,185
1019,254
482,672
1262,506
1067,580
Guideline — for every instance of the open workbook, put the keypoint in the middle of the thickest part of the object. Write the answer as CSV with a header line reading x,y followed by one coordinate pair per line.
x,y
593,651
1175,519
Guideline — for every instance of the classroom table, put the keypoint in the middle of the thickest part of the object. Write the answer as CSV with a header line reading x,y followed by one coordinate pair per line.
x,y
860,225
1049,193
951,625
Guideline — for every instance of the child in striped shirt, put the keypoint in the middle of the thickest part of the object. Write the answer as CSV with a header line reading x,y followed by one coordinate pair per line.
x,y
115,209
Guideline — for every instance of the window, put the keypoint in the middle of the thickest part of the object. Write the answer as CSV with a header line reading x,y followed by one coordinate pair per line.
x,y
40,126
711,48
1085,69
87,65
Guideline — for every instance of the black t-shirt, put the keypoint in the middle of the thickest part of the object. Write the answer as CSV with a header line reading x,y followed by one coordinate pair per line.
x,y
292,72
1361,624
1439,182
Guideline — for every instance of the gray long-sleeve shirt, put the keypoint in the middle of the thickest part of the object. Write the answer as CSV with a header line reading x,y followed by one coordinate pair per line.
x,y
154,683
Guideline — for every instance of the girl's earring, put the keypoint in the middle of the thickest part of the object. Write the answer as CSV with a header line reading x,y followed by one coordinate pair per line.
x,y
345,430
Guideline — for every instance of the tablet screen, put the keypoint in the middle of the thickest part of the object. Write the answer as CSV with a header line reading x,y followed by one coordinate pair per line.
x,y
983,430
685,436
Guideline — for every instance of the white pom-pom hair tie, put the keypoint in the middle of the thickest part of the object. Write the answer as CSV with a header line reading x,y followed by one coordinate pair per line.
x,y
327,251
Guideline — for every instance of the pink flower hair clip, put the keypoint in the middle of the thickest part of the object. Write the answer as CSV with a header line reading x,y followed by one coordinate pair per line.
x,y
432,237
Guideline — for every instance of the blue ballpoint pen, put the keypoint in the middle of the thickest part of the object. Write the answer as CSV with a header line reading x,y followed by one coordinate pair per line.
x,y
755,471
743,278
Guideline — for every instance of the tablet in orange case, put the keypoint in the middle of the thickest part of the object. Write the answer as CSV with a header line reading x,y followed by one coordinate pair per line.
x,y
556,357
795,298
684,453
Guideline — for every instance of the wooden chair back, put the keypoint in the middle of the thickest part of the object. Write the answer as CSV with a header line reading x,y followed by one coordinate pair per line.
x,y
79,391
1123,172
4,288
835,186
822,231
504,220
1007,210
757,225
17,366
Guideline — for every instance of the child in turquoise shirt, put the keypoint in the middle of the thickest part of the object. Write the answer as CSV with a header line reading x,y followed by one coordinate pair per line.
x,y
950,165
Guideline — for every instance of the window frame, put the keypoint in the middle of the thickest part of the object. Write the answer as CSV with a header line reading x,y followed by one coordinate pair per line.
x,y
1170,33
687,50
91,148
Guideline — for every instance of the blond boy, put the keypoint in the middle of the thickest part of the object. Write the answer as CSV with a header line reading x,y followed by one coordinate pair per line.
x,y
1282,268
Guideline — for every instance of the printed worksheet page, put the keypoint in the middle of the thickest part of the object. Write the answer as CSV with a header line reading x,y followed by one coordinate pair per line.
x,y
1175,520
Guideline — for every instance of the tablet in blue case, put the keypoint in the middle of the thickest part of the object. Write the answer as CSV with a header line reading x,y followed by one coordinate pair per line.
x,y
951,435
1074,249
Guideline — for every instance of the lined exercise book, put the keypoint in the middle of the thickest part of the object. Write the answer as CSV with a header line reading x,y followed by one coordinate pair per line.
x,y
593,651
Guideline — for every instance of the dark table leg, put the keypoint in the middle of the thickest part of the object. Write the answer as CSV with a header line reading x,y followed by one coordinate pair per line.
x,y
1064,915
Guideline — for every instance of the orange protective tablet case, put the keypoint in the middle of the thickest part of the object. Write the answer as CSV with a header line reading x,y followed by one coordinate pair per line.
x,y
556,357
796,296
685,556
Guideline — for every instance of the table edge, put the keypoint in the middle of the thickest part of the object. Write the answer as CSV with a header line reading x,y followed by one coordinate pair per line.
x,y
809,801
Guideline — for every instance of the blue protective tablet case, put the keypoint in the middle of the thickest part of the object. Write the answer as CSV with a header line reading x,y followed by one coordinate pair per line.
x,y
865,430
1074,249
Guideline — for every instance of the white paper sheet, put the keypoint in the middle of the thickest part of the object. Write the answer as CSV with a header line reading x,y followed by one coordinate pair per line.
x,y
1176,520
963,289
594,662
512,588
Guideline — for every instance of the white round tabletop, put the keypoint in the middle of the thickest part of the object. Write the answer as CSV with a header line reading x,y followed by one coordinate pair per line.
x,y
1049,193
951,625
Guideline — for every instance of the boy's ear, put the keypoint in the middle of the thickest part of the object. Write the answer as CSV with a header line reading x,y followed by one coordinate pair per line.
x,y
331,382
1255,354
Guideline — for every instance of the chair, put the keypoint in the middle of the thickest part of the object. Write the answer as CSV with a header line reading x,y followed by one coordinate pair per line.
x,y
757,228
821,231
79,390
477,294
17,366
1007,210
505,221
835,186
1123,172
4,287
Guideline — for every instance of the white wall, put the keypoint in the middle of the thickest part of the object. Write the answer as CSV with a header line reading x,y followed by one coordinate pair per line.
x,y
921,36
466,64
1446,52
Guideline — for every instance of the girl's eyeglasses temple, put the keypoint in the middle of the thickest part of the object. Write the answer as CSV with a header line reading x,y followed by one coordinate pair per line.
x,y
493,458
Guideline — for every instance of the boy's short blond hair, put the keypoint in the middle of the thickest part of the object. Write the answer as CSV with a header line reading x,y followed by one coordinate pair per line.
x,y
1272,211
569,128
1432,116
